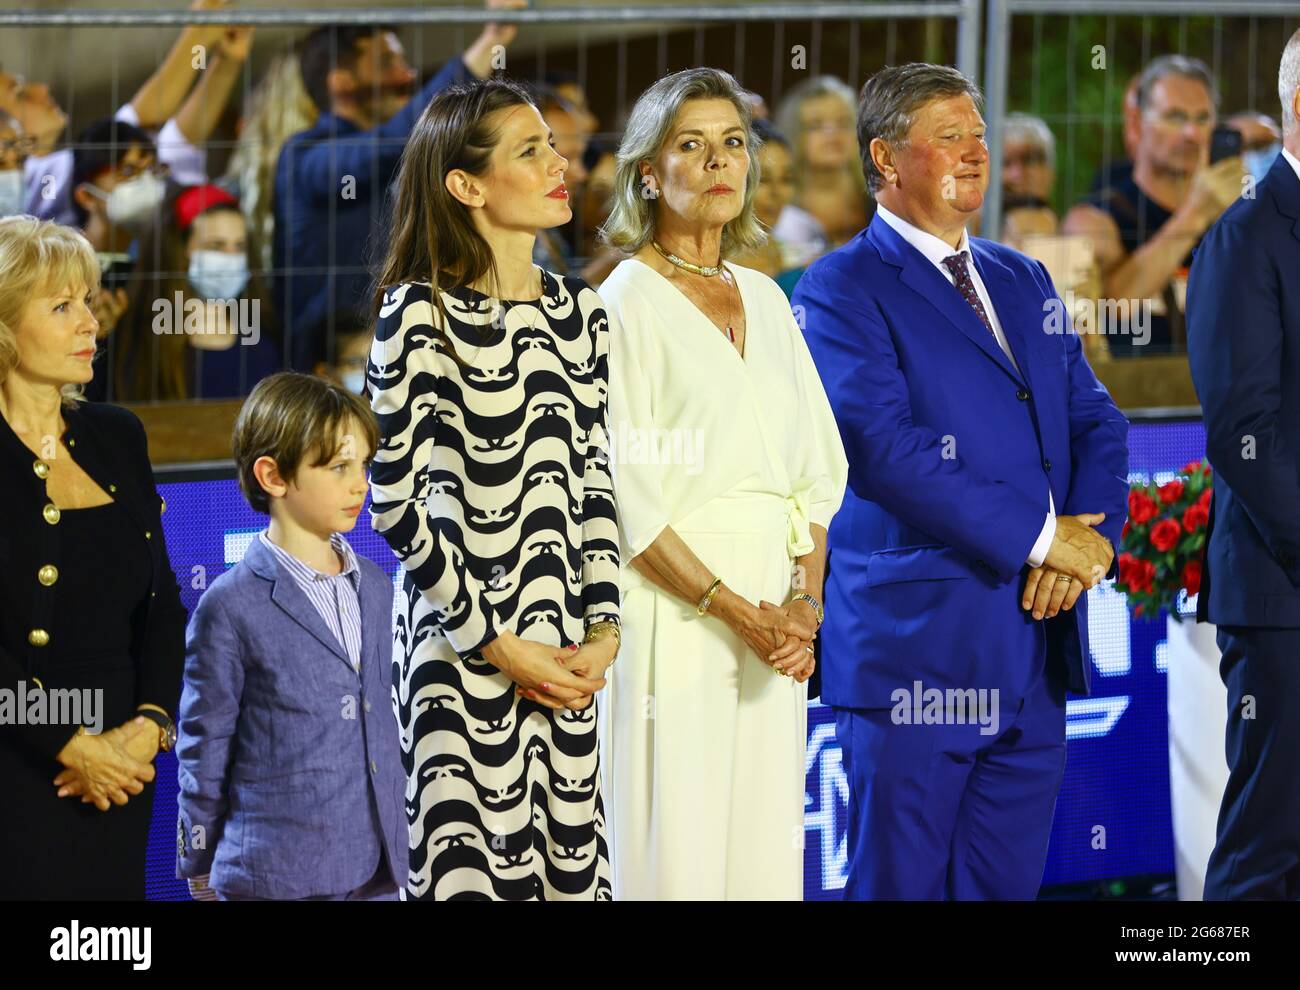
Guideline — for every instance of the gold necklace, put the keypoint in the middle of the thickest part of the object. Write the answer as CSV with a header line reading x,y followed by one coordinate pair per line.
x,y
706,270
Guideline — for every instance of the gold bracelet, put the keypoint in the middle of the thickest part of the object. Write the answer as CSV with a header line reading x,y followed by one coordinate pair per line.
x,y
603,630
707,600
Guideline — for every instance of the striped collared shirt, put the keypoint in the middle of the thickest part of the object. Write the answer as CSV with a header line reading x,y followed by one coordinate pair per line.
x,y
334,596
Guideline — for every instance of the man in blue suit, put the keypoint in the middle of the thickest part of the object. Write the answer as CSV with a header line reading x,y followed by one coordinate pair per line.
x,y
1243,341
987,484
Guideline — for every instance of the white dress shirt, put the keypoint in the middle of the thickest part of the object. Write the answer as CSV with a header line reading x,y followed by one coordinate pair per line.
x,y
336,597
935,250
1294,161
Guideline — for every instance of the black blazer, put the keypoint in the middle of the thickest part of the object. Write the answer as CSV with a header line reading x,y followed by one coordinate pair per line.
x,y
1243,346
109,444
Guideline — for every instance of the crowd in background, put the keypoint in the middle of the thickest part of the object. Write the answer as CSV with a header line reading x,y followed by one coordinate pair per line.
x,y
211,282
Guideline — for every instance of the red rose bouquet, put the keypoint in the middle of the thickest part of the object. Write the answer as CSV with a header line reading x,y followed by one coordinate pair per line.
x,y
1163,539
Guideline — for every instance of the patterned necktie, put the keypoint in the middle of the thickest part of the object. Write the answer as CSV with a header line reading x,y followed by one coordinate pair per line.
x,y
956,263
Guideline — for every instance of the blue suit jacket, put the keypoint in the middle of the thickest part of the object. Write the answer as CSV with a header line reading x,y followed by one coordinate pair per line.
x,y
951,451
290,765
1243,340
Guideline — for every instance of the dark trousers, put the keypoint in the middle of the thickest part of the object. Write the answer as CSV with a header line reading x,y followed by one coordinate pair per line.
x,y
1257,850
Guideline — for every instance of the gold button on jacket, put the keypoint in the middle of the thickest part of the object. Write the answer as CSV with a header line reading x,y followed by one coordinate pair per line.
x,y
38,637
47,575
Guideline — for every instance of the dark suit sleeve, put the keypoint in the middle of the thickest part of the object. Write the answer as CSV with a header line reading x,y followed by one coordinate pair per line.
x,y
1098,441
162,654
319,166
892,461
1235,345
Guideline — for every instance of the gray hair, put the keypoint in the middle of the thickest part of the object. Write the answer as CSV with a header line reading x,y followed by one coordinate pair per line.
x,y
1174,65
788,118
631,222
1031,130
1288,81
890,100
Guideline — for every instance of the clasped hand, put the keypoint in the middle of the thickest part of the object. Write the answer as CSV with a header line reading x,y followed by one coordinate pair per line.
x,y
782,635
107,767
552,676
1077,560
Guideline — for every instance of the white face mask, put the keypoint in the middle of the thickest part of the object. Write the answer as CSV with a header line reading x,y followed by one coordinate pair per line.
x,y
218,274
354,381
134,202
13,192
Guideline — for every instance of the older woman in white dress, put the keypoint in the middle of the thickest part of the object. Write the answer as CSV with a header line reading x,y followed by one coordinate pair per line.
x,y
727,467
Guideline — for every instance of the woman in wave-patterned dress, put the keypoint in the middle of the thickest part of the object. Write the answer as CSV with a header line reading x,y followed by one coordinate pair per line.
x,y
492,485
489,489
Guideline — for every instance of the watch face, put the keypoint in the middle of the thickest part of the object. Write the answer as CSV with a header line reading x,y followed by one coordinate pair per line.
x,y
170,734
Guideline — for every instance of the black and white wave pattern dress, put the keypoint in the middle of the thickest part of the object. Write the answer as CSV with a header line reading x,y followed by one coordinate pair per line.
x,y
492,485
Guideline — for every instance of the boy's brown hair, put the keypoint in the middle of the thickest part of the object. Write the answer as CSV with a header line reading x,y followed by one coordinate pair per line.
x,y
291,417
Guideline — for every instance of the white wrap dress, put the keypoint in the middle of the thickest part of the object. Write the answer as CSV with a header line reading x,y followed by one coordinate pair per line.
x,y
702,743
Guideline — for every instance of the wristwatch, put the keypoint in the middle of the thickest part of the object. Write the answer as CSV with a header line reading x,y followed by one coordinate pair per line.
x,y
814,603
166,727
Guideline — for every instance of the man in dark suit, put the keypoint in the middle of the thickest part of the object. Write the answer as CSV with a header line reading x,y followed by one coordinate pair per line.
x,y
1243,342
987,483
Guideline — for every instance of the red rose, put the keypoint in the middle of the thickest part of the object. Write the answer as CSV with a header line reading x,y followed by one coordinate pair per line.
x,y
1137,611
1126,562
1204,500
1123,535
1170,492
1165,533
1191,467
1195,517
1146,575
1141,507
1192,576
1136,574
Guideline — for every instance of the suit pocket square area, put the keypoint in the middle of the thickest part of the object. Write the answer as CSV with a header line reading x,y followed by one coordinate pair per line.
x,y
923,563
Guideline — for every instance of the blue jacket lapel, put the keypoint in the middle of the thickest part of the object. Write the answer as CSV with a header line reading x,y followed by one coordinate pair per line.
x,y
916,272
290,598
1001,286
376,623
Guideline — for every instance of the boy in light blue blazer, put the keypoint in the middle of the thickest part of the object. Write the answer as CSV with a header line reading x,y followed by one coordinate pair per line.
x,y
291,781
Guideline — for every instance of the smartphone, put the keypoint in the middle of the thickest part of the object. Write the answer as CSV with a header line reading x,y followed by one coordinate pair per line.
x,y
1225,142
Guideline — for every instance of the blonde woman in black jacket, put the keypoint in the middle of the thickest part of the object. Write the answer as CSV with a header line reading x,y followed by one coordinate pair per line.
x,y
91,622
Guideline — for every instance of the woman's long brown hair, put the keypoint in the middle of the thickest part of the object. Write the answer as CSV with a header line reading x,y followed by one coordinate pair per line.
x,y
433,239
